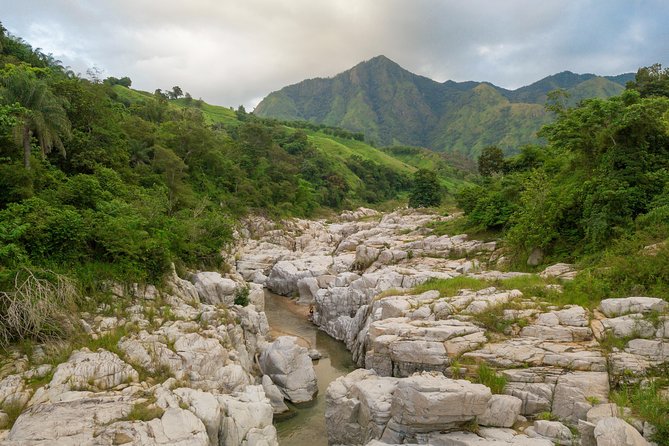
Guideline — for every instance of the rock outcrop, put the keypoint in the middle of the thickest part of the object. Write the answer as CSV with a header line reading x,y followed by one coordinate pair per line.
x,y
289,367
363,406
182,373
192,368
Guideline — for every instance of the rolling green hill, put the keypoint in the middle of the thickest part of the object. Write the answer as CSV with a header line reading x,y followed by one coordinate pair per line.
x,y
392,106
340,151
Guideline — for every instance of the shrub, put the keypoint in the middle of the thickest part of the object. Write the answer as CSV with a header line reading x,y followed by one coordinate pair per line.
x,y
426,190
242,296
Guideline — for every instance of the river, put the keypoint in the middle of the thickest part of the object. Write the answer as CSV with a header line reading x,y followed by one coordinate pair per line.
x,y
307,425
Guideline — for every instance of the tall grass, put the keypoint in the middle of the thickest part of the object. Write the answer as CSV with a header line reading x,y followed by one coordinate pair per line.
x,y
488,377
648,402
41,306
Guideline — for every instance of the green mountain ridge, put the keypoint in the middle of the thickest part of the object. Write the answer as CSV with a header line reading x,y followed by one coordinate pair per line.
x,y
392,106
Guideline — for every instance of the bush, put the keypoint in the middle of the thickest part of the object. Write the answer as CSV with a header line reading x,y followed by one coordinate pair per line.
x,y
426,190
242,296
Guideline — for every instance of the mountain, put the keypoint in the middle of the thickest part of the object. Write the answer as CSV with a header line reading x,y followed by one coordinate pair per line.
x,y
393,106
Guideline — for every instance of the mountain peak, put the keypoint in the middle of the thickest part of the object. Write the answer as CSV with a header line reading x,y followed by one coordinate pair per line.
x,y
391,105
380,61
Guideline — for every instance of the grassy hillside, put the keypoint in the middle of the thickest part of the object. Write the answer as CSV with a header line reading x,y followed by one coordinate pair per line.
x,y
338,150
453,171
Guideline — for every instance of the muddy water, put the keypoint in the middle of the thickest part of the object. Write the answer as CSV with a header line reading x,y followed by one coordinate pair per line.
x,y
307,424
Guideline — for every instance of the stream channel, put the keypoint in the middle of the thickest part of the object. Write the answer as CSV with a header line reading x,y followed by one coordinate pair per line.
x,y
306,423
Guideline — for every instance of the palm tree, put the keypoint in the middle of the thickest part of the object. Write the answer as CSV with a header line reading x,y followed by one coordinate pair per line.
x,y
42,114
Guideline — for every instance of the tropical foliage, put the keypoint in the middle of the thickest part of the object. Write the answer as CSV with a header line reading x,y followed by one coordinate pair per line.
x,y
603,176
140,181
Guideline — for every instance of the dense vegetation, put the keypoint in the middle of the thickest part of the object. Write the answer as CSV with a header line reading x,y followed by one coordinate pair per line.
x,y
598,192
391,105
101,182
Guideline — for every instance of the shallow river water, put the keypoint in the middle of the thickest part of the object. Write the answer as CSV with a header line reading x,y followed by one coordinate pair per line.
x,y
307,425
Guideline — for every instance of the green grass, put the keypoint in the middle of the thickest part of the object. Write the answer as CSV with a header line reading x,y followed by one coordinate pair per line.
x,y
488,377
459,226
213,114
339,150
451,287
547,416
145,411
530,285
450,177
647,402
492,319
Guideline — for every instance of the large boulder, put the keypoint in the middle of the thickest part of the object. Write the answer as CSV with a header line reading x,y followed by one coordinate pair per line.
x,y
627,305
551,430
399,346
86,370
213,288
78,420
613,431
502,411
289,366
363,406
575,391
429,402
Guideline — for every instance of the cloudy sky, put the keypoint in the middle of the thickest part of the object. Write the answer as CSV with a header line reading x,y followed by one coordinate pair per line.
x,y
233,52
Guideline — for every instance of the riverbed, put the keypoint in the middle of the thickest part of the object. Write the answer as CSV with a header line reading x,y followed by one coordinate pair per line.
x,y
306,426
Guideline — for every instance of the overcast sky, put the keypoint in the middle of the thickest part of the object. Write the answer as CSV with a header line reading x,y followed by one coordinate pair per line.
x,y
233,52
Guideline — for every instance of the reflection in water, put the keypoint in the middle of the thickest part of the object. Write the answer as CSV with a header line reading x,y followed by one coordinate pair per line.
x,y
285,317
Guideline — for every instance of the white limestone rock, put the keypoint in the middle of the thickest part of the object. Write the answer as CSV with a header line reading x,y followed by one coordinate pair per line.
x,y
564,271
550,430
621,306
307,288
526,351
414,345
656,350
290,368
274,394
486,437
247,419
362,406
574,392
429,402
213,288
502,411
69,422
614,431
631,325
101,370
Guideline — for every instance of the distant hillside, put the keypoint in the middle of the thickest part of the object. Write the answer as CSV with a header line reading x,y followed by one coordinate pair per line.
x,y
393,106
341,152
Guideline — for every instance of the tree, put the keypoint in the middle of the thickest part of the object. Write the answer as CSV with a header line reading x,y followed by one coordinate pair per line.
x,y
177,92
426,190
42,114
241,113
491,161
651,81
124,81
